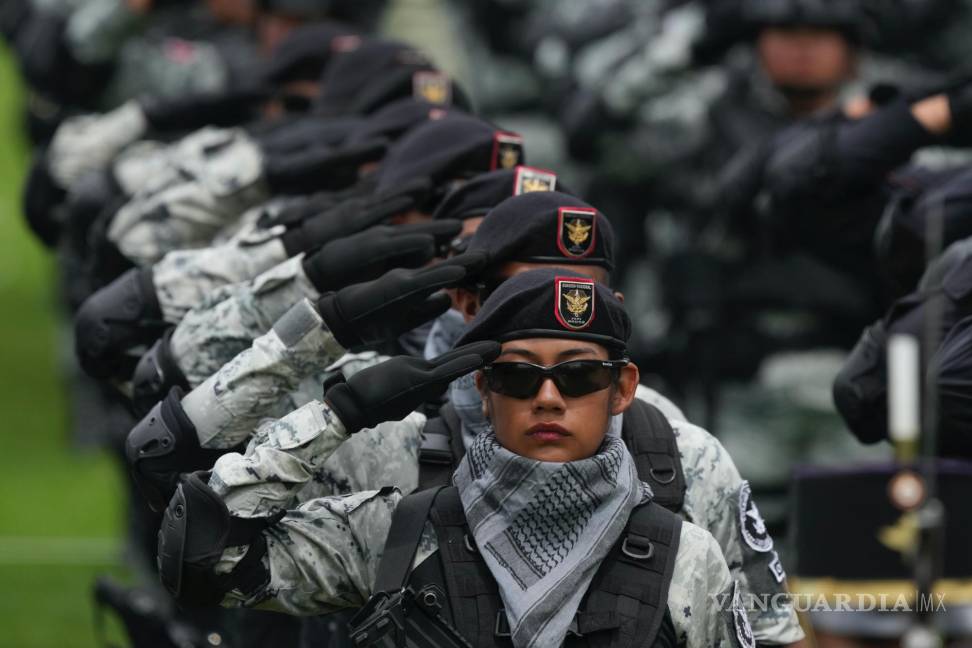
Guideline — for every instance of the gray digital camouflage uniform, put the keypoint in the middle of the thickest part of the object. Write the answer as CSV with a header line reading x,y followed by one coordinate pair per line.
x,y
291,457
221,178
323,557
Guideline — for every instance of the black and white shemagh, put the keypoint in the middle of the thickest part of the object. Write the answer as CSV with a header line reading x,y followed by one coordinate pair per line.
x,y
543,528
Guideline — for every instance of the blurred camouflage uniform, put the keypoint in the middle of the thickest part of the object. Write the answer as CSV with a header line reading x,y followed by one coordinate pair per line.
x,y
292,457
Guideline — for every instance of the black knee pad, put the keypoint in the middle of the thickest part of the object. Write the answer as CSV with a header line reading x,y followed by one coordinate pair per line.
x,y
155,375
116,320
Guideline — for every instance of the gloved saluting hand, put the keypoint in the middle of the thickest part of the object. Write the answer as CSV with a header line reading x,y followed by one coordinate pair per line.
x,y
400,300
392,389
369,254
308,232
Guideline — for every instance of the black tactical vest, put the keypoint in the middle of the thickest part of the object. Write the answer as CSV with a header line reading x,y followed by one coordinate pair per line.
x,y
646,432
626,605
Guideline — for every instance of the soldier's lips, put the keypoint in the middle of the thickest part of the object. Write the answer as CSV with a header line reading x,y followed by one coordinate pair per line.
x,y
547,432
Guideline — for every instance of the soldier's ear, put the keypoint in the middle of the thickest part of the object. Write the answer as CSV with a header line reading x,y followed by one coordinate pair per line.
x,y
619,295
483,392
467,303
624,392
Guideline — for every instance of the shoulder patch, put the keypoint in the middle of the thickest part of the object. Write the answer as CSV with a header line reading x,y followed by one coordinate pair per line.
x,y
776,568
744,632
574,302
433,87
507,151
751,523
529,179
576,231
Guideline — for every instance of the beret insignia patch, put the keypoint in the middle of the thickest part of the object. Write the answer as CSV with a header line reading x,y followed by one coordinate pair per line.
x,y
507,151
576,231
529,179
574,302
433,87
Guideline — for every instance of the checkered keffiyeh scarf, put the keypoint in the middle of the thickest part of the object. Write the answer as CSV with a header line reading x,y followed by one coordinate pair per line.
x,y
543,528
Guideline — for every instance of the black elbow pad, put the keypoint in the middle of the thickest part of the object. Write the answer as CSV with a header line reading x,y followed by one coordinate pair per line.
x,y
155,375
196,529
860,389
161,447
121,316
41,199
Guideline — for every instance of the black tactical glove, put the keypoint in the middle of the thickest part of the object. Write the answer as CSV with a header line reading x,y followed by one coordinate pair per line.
x,y
193,111
373,252
400,300
318,168
309,230
392,389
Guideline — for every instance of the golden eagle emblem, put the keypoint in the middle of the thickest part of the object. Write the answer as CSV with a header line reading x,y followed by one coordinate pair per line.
x,y
577,302
535,184
509,157
578,231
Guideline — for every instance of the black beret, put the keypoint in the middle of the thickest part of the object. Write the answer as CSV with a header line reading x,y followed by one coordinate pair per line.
x,y
485,191
422,82
551,302
395,120
546,227
455,146
355,71
305,52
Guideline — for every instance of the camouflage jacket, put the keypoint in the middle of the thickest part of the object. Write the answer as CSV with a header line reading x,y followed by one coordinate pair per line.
x,y
323,557
294,457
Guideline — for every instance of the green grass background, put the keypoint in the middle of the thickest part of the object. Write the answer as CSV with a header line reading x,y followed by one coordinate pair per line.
x,y
60,507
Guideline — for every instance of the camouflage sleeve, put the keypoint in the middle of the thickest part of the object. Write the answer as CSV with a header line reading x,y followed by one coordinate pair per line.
x,y
667,407
225,183
324,556
386,455
699,597
254,385
183,277
97,29
88,143
717,499
211,334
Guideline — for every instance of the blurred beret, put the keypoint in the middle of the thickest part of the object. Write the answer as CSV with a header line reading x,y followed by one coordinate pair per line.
x,y
482,193
546,227
550,302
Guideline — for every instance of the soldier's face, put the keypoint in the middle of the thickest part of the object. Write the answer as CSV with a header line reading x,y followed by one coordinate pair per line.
x,y
805,58
549,426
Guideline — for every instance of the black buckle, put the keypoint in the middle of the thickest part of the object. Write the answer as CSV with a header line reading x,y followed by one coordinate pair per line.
x,y
502,626
470,546
671,478
435,449
637,547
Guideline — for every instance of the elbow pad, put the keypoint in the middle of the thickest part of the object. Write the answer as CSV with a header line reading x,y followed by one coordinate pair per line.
x,y
114,320
42,197
155,375
196,529
860,388
161,447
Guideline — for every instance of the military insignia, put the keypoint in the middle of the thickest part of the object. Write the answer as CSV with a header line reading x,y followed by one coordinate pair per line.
x,y
574,302
529,180
576,231
433,87
507,151
751,523
744,631
776,568
346,43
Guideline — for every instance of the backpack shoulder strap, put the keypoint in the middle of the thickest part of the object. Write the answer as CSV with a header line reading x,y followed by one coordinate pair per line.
x,y
408,522
651,441
640,567
441,449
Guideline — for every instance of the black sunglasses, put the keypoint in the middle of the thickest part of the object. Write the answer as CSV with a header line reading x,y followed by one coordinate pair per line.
x,y
573,378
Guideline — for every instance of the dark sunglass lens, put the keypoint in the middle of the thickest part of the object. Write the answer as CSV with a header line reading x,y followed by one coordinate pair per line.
x,y
514,379
580,378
